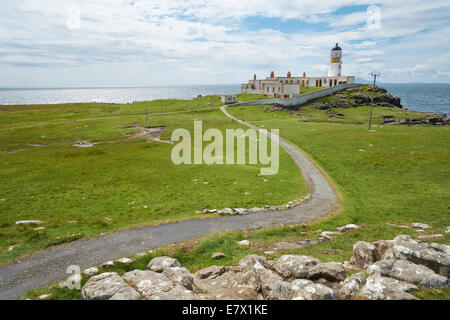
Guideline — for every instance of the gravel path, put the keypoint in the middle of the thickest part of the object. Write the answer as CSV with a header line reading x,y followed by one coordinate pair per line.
x,y
49,266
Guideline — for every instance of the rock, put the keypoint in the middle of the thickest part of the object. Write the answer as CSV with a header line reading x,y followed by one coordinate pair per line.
x,y
364,254
107,264
430,236
407,271
382,246
45,296
108,219
40,228
382,288
11,248
243,243
210,272
148,282
126,293
419,253
90,271
247,263
351,286
125,260
439,247
347,227
261,279
404,238
229,285
103,286
159,264
418,225
283,291
328,235
294,266
349,266
227,211
141,254
29,222
302,289
218,255
177,293
239,210
331,271
180,276
447,230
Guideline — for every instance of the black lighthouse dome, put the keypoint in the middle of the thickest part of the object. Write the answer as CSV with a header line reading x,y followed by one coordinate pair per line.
x,y
337,48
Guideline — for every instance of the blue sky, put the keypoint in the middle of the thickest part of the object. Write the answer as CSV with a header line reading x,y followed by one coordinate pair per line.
x,y
53,43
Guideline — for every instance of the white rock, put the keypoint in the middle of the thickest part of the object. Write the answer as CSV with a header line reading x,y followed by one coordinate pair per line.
x,y
407,271
40,228
382,288
29,222
159,264
45,296
125,260
108,264
447,230
141,254
90,271
418,225
347,227
430,236
243,243
103,287
364,254
352,285
218,255
294,266
328,235
11,248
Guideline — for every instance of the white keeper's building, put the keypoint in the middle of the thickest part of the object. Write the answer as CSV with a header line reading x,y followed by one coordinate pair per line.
x,y
285,87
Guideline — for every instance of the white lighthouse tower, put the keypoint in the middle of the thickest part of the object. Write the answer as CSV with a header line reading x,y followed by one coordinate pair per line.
x,y
335,62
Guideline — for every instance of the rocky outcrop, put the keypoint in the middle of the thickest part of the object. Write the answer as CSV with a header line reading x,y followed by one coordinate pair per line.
x,y
397,267
407,271
382,288
294,267
105,286
351,286
364,254
160,264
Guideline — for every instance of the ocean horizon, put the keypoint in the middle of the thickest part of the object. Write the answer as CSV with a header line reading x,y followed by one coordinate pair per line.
x,y
423,97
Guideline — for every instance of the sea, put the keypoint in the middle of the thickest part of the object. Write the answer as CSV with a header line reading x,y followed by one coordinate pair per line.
x,y
418,97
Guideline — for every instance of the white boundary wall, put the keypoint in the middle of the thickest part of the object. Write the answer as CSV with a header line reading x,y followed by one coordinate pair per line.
x,y
299,100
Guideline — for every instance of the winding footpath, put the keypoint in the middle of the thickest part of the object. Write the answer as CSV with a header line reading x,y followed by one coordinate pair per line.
x,y
49,266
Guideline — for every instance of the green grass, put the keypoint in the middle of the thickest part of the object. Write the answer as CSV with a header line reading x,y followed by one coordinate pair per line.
x,y
133,182
402,176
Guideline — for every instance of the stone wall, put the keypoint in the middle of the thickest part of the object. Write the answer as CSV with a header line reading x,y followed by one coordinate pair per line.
x,y
299,100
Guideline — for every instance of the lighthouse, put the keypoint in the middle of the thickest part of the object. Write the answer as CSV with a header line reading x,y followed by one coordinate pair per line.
x,y
335,62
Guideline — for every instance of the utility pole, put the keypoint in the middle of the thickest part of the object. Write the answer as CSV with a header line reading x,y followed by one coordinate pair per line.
x,y
374,75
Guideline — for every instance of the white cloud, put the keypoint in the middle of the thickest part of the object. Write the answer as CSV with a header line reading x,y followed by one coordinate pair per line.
x,y
199,41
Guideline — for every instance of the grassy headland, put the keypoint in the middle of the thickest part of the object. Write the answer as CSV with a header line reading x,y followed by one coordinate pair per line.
x,y
132,182
392,175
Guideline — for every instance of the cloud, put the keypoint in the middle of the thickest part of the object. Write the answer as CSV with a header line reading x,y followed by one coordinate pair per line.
x,y
163,42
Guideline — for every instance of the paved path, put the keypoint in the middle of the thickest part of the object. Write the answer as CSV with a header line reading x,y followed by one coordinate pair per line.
x,y
50,266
